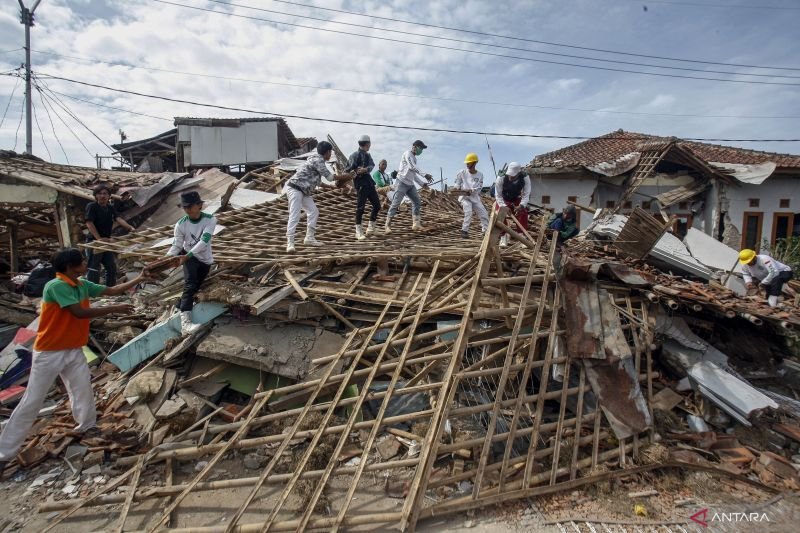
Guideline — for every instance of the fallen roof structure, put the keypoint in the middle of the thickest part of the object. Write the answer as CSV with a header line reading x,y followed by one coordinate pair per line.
x,y
466,374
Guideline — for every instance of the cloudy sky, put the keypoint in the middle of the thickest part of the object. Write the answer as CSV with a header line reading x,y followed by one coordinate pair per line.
x,y
278,59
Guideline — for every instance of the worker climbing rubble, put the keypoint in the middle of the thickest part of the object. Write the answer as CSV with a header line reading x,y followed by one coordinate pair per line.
x,y
513,190
470,180
770,274
361,164
191,245
408,176
299,194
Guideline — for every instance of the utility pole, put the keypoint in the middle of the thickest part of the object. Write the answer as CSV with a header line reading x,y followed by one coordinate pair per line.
x,y
26,18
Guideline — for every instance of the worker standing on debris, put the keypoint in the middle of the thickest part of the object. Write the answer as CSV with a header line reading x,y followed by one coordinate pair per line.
x,y
408,176
470,180
379,175
192,246
565,223
361,164
299,190
770,274
58,349
513,190
100,217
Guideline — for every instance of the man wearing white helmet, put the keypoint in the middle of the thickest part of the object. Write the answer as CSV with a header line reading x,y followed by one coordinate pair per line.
x,y
470,180
513,190
362,164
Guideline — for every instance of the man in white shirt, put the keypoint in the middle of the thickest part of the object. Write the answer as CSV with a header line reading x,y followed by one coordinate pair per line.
x,y
513,190
191,247
470,180
408,176
771,274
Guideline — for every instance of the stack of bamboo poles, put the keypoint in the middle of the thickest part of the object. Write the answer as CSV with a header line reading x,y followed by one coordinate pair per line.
x,y
495,368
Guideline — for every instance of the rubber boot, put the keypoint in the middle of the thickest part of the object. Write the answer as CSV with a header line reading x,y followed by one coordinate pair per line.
x,y
310,239
504,240
370,228
387,228
290,249
416,225
360,233
187,326
772,301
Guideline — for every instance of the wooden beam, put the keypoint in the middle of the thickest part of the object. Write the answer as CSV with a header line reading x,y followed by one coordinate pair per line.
x,y
13,245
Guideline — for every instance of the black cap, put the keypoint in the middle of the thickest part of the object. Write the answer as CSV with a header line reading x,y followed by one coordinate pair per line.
x,y
420,144
190,198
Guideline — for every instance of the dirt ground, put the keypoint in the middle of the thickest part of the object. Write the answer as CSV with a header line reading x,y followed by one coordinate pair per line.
x,y
680,495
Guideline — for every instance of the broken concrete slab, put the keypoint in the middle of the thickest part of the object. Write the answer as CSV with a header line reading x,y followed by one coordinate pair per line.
x,y
155,339
170,408
711,252
731,394
284,349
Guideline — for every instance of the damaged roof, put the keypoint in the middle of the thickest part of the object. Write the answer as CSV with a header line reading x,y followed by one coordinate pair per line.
x,y
616,146
73,180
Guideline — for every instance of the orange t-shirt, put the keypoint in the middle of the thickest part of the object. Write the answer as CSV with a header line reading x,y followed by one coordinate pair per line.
x,y
59,329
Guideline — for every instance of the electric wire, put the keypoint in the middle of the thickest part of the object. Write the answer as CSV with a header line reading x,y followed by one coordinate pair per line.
x,y
10,98
93,60
52,125
726,6
112,107
74,116
504,47
36,119
47,100
371,124
483,52
21,114
520,38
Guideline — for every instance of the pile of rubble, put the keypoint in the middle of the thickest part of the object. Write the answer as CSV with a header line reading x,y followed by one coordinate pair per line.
x,y
415,375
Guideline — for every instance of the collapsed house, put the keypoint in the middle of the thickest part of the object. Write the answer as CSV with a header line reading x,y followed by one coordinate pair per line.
x,y
741,197
386,382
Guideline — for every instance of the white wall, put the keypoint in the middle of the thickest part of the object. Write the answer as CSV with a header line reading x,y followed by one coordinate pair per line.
x,y
769,193
559,189
251,142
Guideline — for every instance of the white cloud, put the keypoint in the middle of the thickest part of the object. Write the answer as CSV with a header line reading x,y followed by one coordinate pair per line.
x,y
153,35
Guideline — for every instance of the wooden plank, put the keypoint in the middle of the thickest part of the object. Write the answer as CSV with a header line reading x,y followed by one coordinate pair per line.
x,y
414,501
510,350
162,520
345,505
529,365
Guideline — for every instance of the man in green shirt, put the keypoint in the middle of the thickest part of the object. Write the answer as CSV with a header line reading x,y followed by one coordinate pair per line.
x,y
380,176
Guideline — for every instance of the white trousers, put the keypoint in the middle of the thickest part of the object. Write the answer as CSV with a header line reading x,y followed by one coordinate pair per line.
x,y
470,205
46,367
297,202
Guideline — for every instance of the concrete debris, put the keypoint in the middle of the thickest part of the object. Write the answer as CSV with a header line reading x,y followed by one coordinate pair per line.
x,y
453,372
735,396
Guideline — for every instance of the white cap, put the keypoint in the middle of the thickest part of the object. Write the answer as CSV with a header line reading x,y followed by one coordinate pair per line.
x,y
364,139
513,169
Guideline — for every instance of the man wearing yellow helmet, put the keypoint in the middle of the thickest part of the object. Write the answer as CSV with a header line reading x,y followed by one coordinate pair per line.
x,y
470,180
771,274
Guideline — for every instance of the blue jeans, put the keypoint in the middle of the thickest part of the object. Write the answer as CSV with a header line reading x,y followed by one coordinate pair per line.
x,y
401,191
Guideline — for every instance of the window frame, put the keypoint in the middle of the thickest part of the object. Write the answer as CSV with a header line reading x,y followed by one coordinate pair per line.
x,y
760,230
